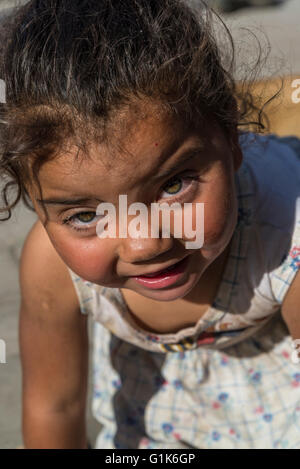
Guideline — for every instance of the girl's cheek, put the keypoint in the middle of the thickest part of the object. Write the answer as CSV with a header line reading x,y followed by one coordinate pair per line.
x,y
216,221
220,216
90,258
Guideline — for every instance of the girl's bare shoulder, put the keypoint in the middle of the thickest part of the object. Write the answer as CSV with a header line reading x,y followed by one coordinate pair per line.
x,y
44,277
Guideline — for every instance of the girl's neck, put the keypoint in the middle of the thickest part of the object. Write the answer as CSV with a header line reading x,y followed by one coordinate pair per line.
x,y
172,316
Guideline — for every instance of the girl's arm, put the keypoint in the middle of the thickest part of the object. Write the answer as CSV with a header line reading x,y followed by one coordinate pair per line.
x,y
54,349
290,310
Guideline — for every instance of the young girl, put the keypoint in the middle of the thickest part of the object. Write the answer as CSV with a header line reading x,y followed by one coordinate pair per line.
x,y
193,348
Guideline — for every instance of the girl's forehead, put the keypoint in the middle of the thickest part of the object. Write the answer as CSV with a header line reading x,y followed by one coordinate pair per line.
x,y
148,143
123,164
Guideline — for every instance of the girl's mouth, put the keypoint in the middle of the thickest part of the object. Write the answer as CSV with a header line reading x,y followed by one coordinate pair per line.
x,y
163,278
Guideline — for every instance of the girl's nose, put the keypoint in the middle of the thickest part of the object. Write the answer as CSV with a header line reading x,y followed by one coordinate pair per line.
x,y
143,249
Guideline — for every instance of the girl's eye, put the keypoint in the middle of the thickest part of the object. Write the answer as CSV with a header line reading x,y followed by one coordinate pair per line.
x,y
82,221
178,186
173,187
176,189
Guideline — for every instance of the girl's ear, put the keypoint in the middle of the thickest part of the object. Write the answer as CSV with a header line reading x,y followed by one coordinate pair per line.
x,y
236,150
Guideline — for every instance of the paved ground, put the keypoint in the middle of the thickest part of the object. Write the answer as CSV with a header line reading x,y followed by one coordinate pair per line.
x,y
282,27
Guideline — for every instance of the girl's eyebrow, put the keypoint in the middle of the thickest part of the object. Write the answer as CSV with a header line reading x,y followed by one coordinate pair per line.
x,y
184,157
63,201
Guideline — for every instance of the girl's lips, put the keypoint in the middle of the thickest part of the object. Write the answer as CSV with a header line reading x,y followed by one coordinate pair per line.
x,y
164,278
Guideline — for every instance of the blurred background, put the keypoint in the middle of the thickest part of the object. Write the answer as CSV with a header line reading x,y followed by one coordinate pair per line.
x,y
276,26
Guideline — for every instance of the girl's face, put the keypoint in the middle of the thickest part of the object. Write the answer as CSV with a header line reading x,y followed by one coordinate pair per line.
x,y
166,164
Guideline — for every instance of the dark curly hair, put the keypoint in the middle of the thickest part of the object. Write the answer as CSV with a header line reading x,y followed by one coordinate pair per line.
x,y
71,66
